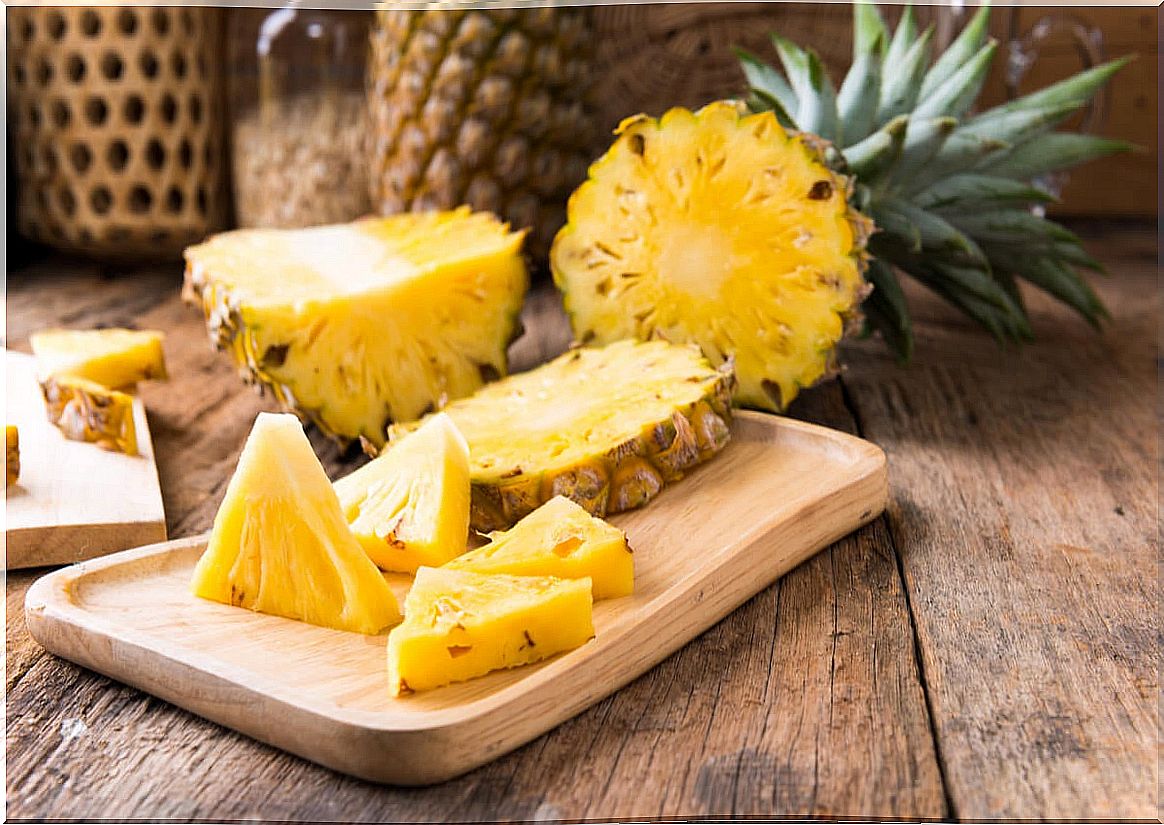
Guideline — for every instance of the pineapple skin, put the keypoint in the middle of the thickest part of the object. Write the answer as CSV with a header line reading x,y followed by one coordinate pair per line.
x,y
460,625
11,454
86,411
624,476
774,359
562,540
484,107
235,328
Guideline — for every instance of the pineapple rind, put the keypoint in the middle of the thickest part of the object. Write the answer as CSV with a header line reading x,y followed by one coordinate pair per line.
x,y
435,356
86,411
11,453
651,447
459,625
780,257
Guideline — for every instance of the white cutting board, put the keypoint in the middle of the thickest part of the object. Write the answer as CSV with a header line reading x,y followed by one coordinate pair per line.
x,y
74,500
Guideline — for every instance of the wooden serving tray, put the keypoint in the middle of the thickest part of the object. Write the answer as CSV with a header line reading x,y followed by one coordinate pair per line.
x,y
781,491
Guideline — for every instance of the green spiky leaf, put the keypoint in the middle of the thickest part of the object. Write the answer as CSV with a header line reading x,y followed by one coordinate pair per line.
x,y
1052,152
816,101
886,310
762,102
965,46
1082,86
901,79
923,141
765,80
975,192
875,156
1062,282
1011,225
857,100
957,94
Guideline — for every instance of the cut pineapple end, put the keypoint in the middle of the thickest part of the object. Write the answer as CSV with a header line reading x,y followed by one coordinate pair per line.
x,y
358,325
280,544
409,507
720,229
86,411
459,625
115,358
559,539
11,453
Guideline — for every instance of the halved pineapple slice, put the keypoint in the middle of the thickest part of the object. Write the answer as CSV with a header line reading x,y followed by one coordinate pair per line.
x,y
280,544
356,325
459,625
410,506
86,411
606,427
11,454
114,358
559,539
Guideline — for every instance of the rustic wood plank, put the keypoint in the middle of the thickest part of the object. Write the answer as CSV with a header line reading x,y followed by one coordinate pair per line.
x,y
843,735
1024,510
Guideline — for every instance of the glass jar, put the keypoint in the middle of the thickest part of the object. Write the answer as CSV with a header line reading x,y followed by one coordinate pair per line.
x,y
298,125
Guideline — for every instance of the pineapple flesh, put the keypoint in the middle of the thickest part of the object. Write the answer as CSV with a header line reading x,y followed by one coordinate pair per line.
x,y
280,544
607,427
355,325
559,539
719,228
410,506
84,410
459,625
114,358
11,454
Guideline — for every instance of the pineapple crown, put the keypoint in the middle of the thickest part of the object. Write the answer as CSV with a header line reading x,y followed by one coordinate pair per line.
x,y
955,194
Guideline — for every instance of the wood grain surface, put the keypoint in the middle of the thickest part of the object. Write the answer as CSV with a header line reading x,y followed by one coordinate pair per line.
x,y
988,649
60,510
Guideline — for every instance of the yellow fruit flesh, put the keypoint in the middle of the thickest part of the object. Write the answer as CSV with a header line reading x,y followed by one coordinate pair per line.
x,y
559,539
410,506
86,411
114,358
718,229
459,625
356,325
280,544
11,453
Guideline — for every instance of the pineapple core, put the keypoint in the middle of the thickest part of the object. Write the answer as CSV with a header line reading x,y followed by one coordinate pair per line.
x,y
559,539
410,506
280,544
357,325
114,358
459,625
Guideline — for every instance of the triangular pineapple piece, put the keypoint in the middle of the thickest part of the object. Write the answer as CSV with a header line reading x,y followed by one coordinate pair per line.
x,y
459,625
115,358
87,411
280,544
410,506
559,539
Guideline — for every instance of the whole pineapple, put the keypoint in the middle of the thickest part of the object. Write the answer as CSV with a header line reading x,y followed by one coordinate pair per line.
x,y
746,233
481,107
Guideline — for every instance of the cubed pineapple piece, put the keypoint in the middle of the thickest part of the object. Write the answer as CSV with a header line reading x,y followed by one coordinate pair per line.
x,y
114,358
410,506
459,625
11,453
559,539
356,325
280,544
86,411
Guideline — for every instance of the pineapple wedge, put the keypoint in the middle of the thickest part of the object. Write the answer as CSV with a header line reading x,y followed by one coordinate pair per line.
x,y
280,544
559,539
459,625
410,506
607,427
11,453
114,358
84,410
356,325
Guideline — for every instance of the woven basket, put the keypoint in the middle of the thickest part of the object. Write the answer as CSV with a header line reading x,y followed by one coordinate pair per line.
x,y
116,116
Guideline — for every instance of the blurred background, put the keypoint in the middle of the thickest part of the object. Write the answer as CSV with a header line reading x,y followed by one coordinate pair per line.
x,y
135,131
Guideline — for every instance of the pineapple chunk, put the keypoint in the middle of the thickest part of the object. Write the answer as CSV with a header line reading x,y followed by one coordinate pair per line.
x,y
356,325
86,411
459,625
280,544
11,453
559,539
115,358
410,506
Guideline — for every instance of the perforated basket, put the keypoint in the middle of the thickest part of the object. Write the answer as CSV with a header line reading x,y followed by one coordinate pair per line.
x,y
116,119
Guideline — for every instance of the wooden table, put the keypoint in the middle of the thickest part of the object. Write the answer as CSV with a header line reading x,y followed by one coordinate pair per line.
x,y
989,648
